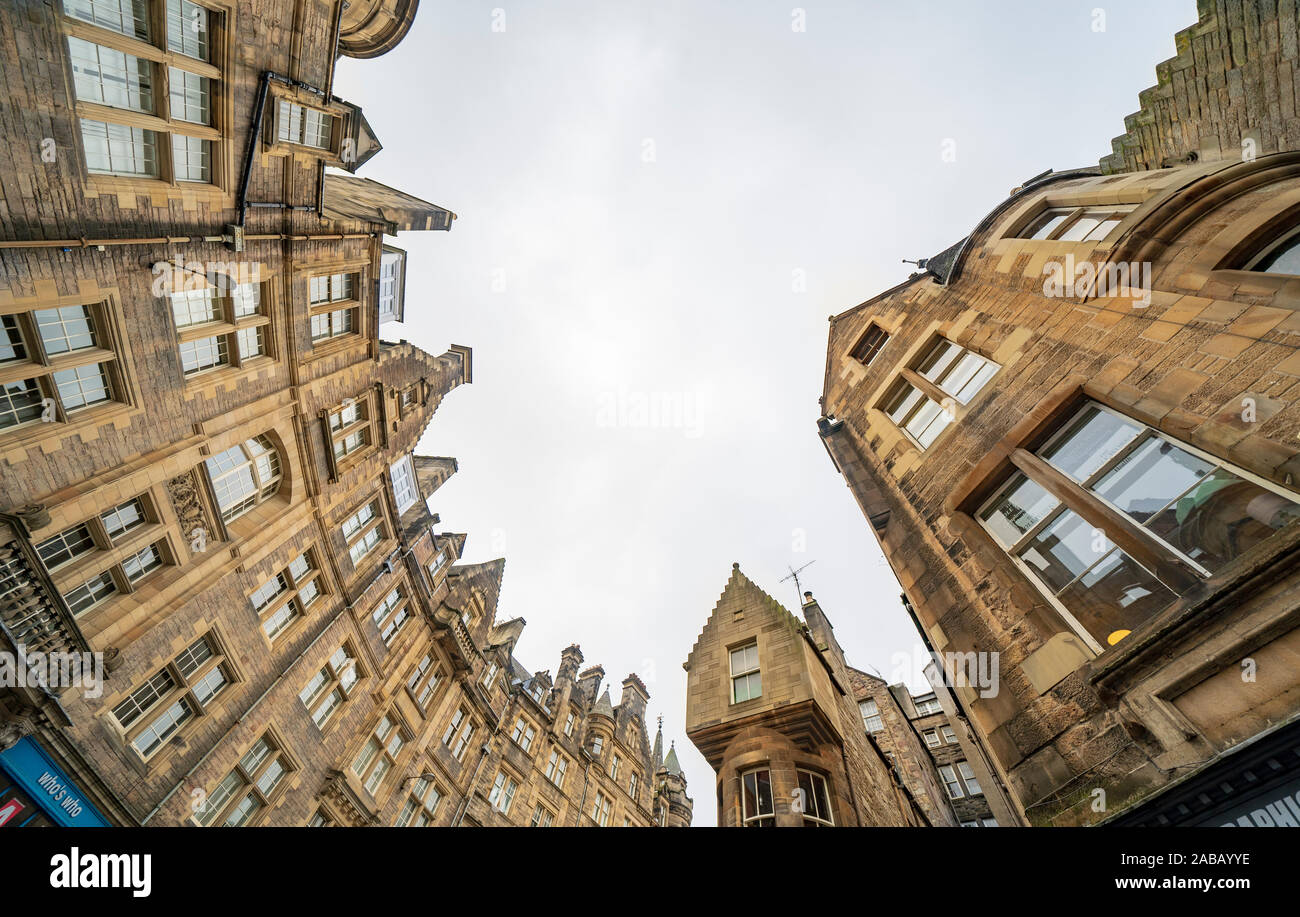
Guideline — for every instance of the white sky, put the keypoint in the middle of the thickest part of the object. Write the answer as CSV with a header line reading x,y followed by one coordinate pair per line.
x,y
637,184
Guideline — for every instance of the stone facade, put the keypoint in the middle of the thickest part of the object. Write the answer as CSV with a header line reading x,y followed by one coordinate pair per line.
x,y
769,705
890,726
986,476
206,455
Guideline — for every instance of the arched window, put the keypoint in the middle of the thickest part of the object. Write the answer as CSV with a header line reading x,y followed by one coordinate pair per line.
x,y
244,475
1280,258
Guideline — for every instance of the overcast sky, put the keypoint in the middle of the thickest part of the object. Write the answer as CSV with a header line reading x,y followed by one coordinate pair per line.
x,y
659,205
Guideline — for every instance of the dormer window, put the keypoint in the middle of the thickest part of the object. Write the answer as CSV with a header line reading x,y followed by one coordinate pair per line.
x,y
305,126
1075,224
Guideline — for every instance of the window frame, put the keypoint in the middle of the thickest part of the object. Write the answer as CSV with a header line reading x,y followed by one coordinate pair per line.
x,y
105,353
869,344
290,596
103,556
911,379
756,669
382,739
760,818
504,787
327,308
163,62
228,320
248,780
340,431
820,819
179,688
557,766
417,803
461,729
873,715
424,680
264,488
1175,571
524,730
376,523
334,681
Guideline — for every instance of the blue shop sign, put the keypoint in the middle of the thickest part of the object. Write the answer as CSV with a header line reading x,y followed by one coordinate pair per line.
x,y
33,770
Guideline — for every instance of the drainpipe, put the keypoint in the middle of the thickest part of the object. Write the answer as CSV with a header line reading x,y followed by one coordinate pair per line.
x,y
254,131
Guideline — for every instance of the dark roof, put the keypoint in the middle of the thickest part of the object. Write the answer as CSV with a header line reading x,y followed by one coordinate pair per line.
x,y
940,266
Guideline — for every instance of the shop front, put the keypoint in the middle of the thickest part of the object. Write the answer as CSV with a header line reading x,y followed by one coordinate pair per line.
x,y
35,792
1255,785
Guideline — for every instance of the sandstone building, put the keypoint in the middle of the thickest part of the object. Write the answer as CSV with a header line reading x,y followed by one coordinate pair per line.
x,y
770,705
1074,434
947,779
207,468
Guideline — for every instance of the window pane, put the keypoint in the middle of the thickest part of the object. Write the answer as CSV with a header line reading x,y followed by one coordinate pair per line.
x,y
1148,478
1284,260
20,402
1090,441
123,518
82,386
1102,229
105,76
190,95
129,17
1115,596
251,343
115,149
1221,517
66,329
191,158
142,563
1062,550
66,545
1079,229
1022,505
187,29
203,353
1045,224
12,347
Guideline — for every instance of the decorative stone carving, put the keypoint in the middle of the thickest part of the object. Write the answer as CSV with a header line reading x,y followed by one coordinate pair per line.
x,y
196,528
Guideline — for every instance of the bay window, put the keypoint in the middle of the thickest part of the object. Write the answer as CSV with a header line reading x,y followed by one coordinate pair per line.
x,y
1113,519
816,801
757,808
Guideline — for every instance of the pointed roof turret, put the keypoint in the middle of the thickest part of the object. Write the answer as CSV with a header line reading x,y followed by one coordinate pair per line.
x,y
658,754
604,707
670,763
